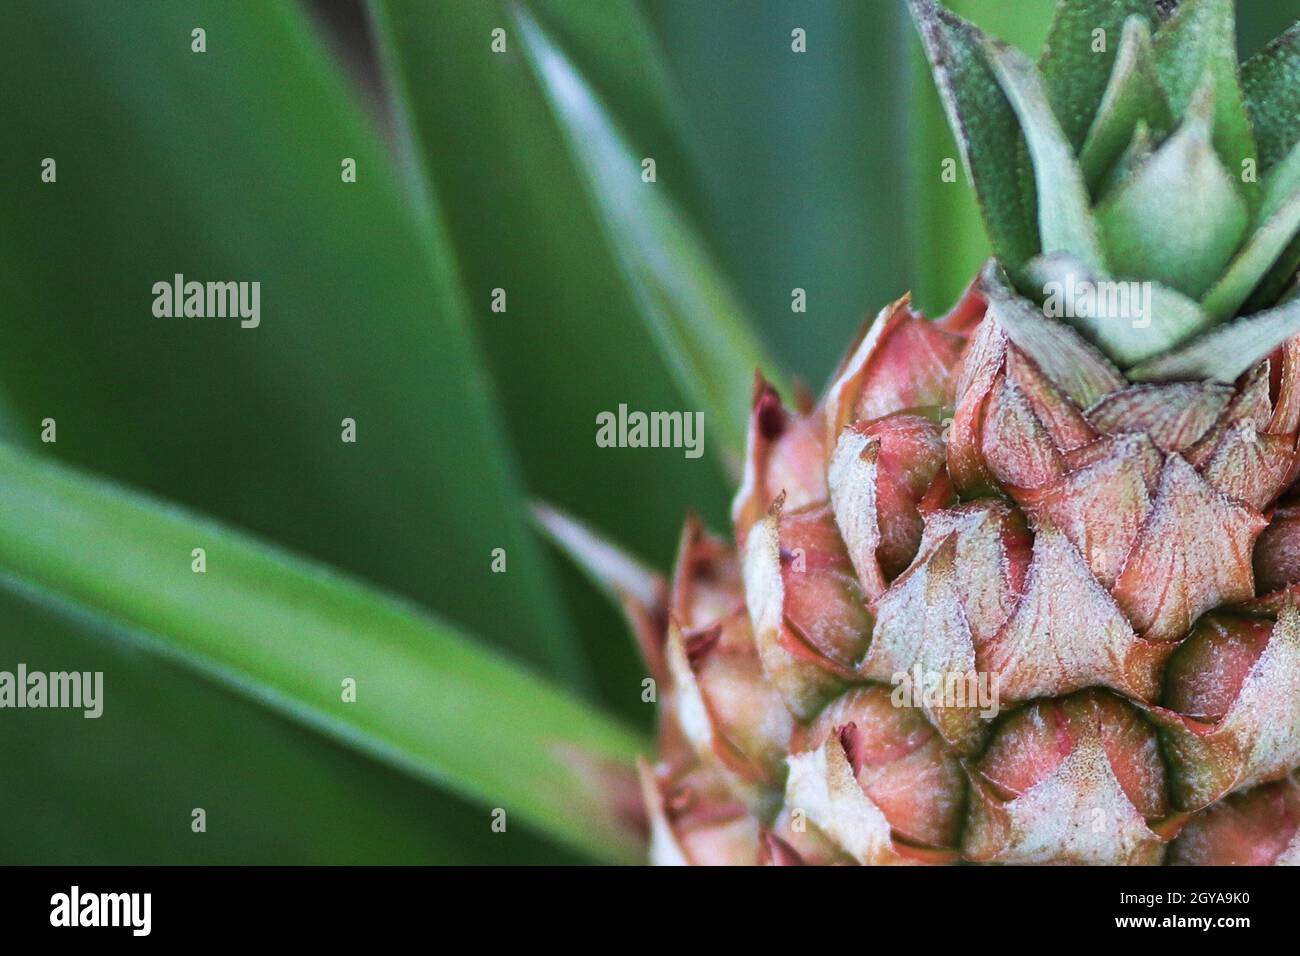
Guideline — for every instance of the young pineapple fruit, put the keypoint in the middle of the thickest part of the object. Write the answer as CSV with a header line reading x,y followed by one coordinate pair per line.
x,y
1022,587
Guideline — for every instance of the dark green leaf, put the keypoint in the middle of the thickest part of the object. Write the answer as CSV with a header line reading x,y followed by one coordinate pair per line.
x,y
1271,79
287,633
1132,96
120,789
1277,281
226,165
571,343
613,45
1065,221
693,314
829,125
1201,38
987,130
1075,71
1280,217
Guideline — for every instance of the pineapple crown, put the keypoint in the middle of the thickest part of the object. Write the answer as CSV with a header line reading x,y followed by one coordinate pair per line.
x,y
1137,151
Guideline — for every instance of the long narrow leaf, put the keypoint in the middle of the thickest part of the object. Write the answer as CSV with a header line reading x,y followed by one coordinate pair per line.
x,y
566,341
229,165
288,633
1065,221
951,243
121,789
694,315
1075,72
1273,95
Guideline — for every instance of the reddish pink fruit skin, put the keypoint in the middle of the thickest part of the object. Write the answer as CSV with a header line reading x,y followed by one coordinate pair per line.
x,y
1119,566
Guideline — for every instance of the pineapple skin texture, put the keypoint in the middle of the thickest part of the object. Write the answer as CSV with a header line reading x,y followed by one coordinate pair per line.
x,y
1090,593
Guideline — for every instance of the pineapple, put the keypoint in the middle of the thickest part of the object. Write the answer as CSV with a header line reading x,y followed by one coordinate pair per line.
x,y
1024,585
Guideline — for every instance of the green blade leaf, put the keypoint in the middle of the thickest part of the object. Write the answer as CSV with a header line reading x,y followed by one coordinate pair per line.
x,y
1271,79
571,342
120,789
612,44
1227,351
1133,95
1075,72
696,319
1201,38
987,130
947,214
1177,219
1280,215
239,177
286,633
1129,321
853,248
1065,221
1278,282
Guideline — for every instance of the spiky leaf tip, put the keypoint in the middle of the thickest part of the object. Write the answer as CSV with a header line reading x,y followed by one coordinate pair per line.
x,y
1131,151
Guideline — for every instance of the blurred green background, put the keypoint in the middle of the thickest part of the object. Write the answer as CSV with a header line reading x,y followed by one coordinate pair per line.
x,y
816,170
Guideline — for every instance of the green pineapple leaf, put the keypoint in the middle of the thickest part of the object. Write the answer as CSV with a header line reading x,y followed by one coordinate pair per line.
x,y
1271,80
572,341
695,317
120,790
1077,60
287,633
988,131
1065,222
945,214
1280,217
615,47
1278,282
1133,95
1118,317
1201,38
362,312
1227,351
1179,217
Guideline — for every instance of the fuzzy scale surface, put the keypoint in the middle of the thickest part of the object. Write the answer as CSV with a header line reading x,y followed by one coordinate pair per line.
x,y
973,613
1021,590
